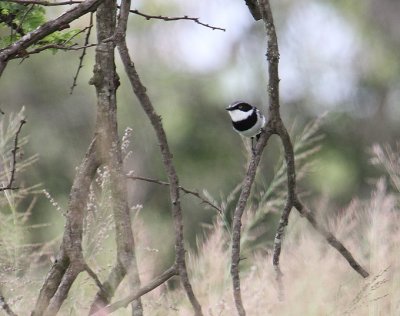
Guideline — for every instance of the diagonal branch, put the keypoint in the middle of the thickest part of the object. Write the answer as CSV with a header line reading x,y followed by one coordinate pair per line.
x,y
165,276
194,193
69,262
140,91
330,238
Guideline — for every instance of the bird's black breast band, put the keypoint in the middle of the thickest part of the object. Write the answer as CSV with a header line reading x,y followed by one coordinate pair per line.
x,y
247,123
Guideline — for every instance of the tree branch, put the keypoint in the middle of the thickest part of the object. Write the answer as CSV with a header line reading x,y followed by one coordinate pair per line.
x,y
144,100
166,18
69,262
9,186
106,81
237,218
273,89
82,56
165,276
275,126
194,193
45,29
330,238
73,47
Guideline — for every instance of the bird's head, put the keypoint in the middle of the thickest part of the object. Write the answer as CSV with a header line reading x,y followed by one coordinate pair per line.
x,y
239,110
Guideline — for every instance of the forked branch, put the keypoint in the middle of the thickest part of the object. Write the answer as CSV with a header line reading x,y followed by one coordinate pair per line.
x,y
140,91
275,126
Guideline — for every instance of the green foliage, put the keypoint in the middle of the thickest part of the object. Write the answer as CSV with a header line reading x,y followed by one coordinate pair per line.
x,y
16,20
19,19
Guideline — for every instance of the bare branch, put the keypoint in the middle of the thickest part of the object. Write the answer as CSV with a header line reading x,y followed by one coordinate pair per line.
x,y
194,193
273,89
70,260
165,276
82,56
140,90
40,49
14,159
330,238
166,18
237,218
5,306
275,126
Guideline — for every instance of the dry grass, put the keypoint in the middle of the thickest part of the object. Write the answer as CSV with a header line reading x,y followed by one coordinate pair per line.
x,y
318,281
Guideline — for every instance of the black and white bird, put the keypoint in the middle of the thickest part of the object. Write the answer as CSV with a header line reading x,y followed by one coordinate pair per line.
x,y
247,120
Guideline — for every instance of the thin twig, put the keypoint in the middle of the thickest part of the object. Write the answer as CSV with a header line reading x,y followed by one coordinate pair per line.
x,y
165,276
177,18
89,29
14,159
194,193
73,47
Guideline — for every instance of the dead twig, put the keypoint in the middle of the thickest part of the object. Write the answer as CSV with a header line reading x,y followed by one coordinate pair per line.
x,y
82,56
9,186
187,191
177,18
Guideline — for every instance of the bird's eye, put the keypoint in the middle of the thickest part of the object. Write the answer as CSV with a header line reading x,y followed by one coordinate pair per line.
x,y
240,107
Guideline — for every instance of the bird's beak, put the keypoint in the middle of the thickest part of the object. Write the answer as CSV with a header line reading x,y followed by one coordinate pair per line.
x,y
229,108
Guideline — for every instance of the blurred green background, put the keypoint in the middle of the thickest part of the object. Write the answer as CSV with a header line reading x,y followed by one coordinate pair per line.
x,y
337,57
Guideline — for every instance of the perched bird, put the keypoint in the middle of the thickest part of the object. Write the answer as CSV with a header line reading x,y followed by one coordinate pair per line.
x,y
247,120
